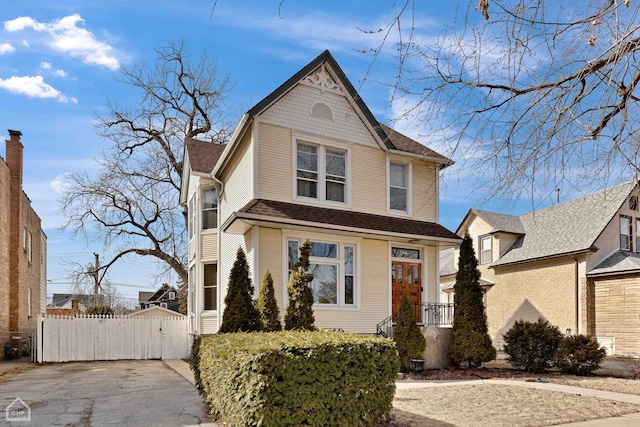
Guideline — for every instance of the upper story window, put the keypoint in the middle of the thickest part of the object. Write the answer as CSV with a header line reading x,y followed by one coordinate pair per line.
x,y
209,209
321,173
485,250
625,233
333,269
210,287
398,187
191,213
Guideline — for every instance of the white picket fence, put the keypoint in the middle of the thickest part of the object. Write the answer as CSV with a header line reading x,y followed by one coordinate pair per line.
x,y
85,338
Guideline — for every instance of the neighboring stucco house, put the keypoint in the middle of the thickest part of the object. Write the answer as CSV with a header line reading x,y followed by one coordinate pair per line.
x,y
23,245
310,161
576,264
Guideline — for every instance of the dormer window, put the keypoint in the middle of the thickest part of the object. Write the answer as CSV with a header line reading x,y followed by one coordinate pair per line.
x,y
633,203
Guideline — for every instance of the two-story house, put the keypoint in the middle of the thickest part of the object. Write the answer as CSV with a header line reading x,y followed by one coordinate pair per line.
x,y
23,244
575,264
310,162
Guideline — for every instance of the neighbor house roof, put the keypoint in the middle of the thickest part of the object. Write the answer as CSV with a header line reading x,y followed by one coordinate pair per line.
x,y
500,222
447,264
293,213
567,228
203,155
619,262
59,300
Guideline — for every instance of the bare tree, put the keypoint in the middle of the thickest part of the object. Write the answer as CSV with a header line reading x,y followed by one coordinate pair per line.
x,y
131,204
537,94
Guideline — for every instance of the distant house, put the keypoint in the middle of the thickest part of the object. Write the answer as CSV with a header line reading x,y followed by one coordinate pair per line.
x,y
311,162
156,311
165,297
576,264
71,307
23,253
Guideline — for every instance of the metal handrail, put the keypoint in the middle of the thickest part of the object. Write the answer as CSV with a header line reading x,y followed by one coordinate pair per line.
x,y
428,314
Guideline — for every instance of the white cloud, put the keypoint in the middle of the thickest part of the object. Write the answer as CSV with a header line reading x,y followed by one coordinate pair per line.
x,y
60,73
33,87
45,65
57,72
25,43
6,48
60,183
67,37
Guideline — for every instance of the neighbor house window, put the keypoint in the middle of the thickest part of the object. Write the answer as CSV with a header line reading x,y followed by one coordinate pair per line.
x,y
637,235
209,209
334,273
321,173
398,187
485,250
210,286
625,233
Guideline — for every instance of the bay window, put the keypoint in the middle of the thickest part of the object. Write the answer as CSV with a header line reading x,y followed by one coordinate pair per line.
x,y
209,209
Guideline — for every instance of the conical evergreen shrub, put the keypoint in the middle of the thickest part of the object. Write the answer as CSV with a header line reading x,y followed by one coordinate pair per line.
x,y
470,341
299,314
409,339
240,312
268,306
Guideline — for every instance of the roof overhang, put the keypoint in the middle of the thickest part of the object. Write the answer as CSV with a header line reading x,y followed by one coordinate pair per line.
x,y
545,258
242,222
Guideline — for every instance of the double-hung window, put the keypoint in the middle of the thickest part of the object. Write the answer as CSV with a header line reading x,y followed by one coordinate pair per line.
x,y
625,233
485,250
210,287
209,209
398,190
321,173
192,217
334,272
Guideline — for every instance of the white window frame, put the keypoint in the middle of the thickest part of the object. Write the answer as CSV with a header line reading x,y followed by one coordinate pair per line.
x,y
202,209
409,179
481,251
322,146
629,235
191,214
339,262
215,287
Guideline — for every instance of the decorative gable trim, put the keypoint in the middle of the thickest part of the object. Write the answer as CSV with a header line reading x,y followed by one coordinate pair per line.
x,y
321,79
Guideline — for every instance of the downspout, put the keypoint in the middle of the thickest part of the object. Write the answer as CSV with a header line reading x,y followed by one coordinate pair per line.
x,y
577,286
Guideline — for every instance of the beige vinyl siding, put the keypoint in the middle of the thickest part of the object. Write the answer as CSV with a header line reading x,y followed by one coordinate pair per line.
x,y
424,191
209,246
275,162
209,325
238,179
432,273
374,293
271,253
369,176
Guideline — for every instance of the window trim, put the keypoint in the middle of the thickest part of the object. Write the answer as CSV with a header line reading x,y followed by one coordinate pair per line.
x,y
409,179
202,209
637,234
630,235
339,262
216,287
322,146
481,251
191,217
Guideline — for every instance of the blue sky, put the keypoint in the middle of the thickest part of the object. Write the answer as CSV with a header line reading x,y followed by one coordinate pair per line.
x,y
59,63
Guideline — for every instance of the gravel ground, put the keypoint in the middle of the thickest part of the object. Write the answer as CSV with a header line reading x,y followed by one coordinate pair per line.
x,y
498,405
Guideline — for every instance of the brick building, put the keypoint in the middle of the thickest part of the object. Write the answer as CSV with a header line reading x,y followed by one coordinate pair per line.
x,y
23,277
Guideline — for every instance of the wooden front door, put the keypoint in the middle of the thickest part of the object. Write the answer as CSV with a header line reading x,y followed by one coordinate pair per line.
x,y
406,277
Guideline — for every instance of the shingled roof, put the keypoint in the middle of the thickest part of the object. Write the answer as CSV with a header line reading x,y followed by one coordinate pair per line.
x,y
567,228
501,222
288,213
203,155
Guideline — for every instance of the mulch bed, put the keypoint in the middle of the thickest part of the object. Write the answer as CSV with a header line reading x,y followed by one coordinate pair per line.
x,y
475,374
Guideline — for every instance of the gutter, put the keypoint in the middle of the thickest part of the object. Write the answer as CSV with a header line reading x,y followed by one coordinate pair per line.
x,y
544,258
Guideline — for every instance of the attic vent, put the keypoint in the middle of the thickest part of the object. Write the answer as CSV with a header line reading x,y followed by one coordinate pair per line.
x,y
633,203
322,110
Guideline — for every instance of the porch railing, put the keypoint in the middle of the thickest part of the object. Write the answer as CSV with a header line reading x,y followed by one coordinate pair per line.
x,y
430,314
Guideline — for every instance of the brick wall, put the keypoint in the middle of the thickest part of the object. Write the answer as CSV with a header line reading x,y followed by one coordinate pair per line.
x,y
5,175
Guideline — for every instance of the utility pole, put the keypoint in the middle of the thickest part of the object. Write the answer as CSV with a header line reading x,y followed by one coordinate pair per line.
x,y
94,271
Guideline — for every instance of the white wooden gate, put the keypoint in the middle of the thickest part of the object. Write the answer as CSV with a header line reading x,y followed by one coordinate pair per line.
x,y
84,338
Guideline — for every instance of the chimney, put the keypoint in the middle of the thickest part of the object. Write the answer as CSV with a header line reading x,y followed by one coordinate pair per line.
x,y
14,162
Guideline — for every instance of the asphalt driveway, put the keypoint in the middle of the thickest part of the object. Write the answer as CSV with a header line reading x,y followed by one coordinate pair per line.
x,y
116,393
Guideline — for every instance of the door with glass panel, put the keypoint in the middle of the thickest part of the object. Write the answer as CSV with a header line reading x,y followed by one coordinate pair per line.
x,y
406,277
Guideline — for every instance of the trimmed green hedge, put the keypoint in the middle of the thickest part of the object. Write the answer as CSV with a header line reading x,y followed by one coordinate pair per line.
x,y
297,378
